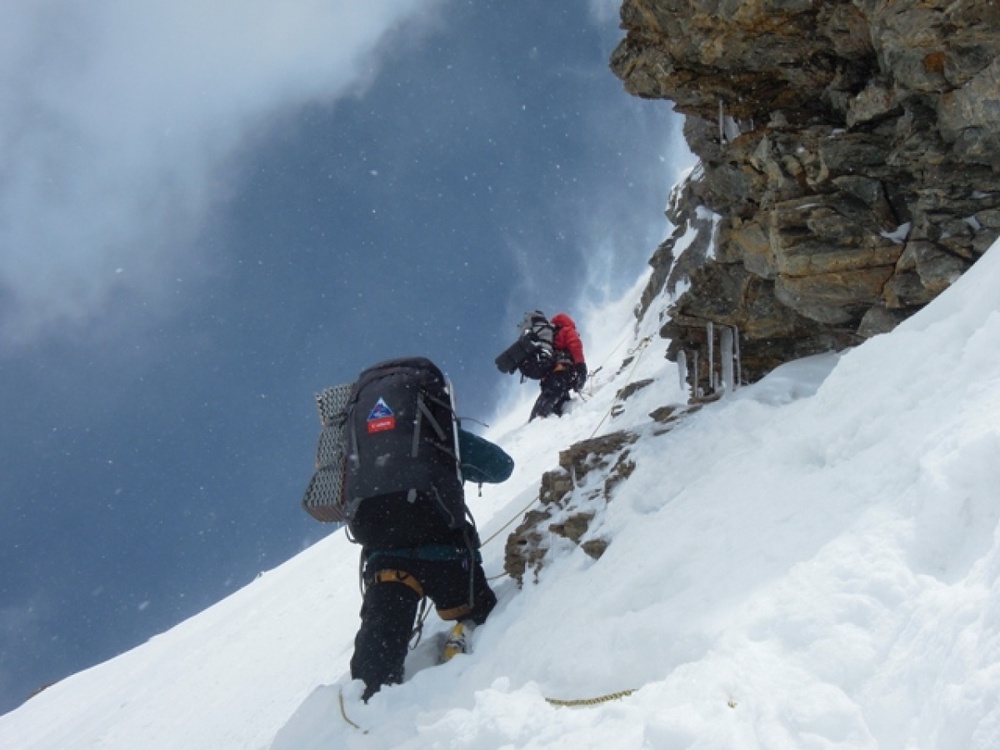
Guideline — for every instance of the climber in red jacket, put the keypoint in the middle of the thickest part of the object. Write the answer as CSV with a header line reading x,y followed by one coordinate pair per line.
x,y
569,373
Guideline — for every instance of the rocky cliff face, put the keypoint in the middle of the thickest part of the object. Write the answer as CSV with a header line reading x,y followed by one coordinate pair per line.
x,y
849,167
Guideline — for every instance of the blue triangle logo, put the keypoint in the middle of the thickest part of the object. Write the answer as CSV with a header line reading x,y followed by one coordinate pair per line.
x,y
381,410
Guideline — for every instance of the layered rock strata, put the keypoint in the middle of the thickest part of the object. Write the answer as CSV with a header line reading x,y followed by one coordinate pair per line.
x,y
849,168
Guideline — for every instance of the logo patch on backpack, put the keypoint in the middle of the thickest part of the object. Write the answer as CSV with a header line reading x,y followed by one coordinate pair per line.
x,y
381,418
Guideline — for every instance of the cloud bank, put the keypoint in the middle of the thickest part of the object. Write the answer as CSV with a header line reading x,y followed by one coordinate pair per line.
x,y
120,121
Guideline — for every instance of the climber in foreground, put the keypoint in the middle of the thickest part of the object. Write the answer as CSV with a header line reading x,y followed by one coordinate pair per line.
x,y
552,353
394,439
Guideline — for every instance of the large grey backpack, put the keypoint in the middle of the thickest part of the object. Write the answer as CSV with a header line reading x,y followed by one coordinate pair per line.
x,y
533,354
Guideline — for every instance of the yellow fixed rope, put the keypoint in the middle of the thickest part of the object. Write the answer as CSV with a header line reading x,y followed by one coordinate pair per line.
x,y
639,350
496,533
591,701
343,712
612,353
579,702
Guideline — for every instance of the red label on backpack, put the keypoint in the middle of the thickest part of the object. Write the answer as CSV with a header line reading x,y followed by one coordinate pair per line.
x,y
381,425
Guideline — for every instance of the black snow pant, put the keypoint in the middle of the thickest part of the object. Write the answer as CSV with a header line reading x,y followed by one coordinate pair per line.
x,y
395,586
555,393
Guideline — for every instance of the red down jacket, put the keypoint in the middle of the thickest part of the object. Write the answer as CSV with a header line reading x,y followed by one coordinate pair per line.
x,y
567,338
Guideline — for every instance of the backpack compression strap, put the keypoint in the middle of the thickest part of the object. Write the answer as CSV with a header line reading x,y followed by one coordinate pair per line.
x,y
424,412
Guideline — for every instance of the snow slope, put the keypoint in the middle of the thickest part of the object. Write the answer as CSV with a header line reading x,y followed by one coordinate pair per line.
x,y
811,562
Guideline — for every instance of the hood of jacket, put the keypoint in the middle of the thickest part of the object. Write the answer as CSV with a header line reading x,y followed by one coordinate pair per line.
x,y
562,320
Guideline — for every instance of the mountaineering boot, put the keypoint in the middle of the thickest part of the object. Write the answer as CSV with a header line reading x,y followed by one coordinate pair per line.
x,y
459,640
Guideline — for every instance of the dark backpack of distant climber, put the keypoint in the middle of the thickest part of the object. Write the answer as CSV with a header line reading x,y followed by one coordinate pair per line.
x,y
533,354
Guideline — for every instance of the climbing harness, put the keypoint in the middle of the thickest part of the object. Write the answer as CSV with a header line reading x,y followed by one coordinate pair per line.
x,y
390,575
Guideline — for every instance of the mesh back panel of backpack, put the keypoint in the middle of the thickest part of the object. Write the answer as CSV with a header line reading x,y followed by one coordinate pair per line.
x,y
323,497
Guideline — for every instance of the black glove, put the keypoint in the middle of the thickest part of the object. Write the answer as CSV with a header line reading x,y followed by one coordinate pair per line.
x,y
579,376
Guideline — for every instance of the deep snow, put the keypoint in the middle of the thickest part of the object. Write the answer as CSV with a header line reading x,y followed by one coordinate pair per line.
x,y
810,562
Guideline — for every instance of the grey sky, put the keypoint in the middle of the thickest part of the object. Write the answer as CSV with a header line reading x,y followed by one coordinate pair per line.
x,y
122,120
